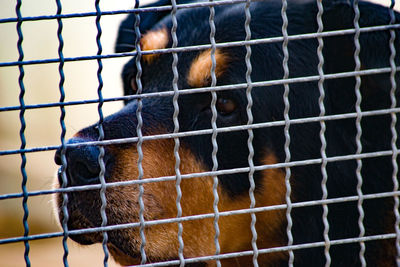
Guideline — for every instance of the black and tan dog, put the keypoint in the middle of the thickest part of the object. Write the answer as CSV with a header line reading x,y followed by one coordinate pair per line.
x,y
269,142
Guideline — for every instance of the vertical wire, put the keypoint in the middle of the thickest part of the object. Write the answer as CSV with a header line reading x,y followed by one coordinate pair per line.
x,y
214,132
250,132
139,134
176,130
101,135
359,130
393,129
22,132
63,168
322,133
286,129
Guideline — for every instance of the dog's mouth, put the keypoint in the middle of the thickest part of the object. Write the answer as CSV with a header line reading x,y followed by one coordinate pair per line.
x,y
123,249
122,245
133,259
124,259
117,243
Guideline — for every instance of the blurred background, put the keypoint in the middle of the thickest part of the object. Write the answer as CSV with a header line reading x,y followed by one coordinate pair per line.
x,y
43,125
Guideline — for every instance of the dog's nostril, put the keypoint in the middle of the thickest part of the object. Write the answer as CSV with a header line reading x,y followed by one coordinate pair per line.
x,y
57,157
85,170
82,163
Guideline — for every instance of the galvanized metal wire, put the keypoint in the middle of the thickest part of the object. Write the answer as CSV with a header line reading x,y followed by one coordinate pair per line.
x,y
135,10
286,130
394,131
222,130
214,152
63,168
207,46
322,134
22,133
206,174
101,136
359,129
176,130
222,213
188,91
250,133
276,249
140,135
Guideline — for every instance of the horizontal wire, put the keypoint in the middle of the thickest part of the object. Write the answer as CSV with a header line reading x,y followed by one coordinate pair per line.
x,y
276,249
203,174
210,89
260,251
206,131
202,217
122,11
206,46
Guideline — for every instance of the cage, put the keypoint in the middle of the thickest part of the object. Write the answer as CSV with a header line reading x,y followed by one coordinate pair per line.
x,y
59,73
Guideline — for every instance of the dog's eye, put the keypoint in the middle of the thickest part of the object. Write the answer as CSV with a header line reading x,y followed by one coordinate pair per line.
x,y
225,106
133,84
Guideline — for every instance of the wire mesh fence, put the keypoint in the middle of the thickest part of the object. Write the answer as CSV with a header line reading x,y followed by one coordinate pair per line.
x,y
106,229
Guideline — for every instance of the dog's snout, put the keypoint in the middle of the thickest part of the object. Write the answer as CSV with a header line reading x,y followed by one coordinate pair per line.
x,y
82,163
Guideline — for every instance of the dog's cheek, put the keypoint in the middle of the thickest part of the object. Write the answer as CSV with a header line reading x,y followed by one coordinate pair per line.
x,y
159,199
270,225
76,219
197,198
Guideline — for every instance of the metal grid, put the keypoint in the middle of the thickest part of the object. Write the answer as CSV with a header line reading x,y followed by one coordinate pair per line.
x,y
214,131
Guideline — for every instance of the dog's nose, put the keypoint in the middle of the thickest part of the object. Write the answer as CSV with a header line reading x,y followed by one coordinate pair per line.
x,y
83,166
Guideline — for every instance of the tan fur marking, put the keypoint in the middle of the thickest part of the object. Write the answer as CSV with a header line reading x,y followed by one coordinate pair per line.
x,y
197,198
159,199
153,40
200,70
268,224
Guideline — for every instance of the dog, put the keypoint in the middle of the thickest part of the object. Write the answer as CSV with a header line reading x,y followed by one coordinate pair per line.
x,y
276,134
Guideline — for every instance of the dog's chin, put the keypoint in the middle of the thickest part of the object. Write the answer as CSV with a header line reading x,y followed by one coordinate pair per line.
x,y
88,239
118,253
135,259
121,257
77,221
117,247
122,245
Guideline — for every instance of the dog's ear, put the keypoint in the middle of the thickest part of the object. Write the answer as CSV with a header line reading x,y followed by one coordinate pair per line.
x,y
375,52
126,33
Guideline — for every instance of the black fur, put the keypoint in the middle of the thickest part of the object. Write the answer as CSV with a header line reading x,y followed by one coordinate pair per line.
x,y
266,59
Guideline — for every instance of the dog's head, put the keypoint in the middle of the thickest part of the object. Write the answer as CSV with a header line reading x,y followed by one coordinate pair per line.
x,y
161,163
